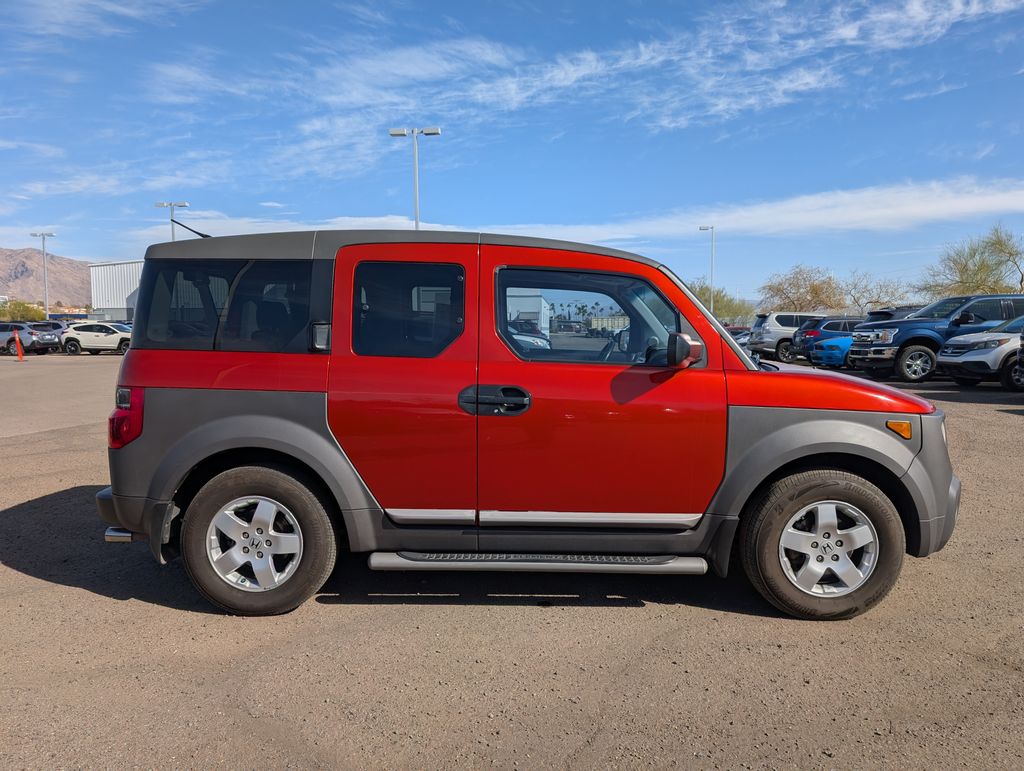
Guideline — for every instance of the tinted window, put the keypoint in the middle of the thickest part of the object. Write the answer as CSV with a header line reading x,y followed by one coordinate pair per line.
x,y
939,309
1018,307
813,323
1013,325
834,326
785,320
759,323
230,305
986,310
579,317
5,327
410,309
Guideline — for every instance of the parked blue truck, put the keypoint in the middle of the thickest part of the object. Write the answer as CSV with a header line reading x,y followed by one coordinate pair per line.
x,y
909,347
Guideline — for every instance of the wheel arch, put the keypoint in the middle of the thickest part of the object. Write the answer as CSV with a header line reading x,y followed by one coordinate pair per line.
x,y
928,341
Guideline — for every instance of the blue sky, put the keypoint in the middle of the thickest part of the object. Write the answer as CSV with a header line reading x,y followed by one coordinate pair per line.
x,y
858,135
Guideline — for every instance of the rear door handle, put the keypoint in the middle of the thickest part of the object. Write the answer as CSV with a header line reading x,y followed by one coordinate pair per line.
x,y
495,400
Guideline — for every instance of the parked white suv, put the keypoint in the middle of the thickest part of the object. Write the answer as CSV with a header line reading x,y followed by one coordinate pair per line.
x,y
989,355
95,337
772,333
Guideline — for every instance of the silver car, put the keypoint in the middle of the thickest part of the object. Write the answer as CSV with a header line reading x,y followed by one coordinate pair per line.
x,y
772,333
990,355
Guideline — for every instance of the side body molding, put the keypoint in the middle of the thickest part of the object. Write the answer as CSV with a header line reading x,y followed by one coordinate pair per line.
x,y
292,423
764,439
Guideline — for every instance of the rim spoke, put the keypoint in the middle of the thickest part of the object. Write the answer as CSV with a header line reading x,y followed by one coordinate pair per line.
x,y
284,543
264,571
810,574
230,525
798,540
228,562
264,515
848,573
855,537
826,519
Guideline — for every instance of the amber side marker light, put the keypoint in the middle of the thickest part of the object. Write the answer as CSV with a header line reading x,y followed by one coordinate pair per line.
x,y
901,427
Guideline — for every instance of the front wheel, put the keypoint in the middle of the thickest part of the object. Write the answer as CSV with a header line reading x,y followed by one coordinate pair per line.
x,y
1011,376
123,347
257,541
822,544
916,363
12,348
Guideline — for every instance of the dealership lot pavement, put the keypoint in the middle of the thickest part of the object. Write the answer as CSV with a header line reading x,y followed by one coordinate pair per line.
x,y
109,659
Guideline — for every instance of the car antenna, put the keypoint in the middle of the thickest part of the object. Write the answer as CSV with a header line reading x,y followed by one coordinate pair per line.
x,y
193,230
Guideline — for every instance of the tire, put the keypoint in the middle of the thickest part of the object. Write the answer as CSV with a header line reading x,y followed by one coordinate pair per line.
x,y
123,347
240,592
1011,376
784,351
770,516
12,347
915,364
72,348
879,373
966,382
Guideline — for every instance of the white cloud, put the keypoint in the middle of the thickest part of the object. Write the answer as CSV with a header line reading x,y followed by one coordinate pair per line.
x,y
273,204
90,18
40,149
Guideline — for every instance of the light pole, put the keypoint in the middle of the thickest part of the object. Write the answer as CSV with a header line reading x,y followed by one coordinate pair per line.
x,y
433,131
171,205
46,284
712,229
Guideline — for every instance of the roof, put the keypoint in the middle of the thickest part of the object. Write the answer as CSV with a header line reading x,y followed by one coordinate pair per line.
x,y
324,244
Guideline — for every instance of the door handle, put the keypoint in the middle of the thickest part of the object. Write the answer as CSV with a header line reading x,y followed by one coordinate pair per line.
x,y
495,400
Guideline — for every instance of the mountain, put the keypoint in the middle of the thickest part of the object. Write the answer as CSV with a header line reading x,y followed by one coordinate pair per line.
x,y
21,277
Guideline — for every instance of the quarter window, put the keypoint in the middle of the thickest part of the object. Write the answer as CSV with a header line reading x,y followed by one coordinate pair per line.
x,y
409,309
594,318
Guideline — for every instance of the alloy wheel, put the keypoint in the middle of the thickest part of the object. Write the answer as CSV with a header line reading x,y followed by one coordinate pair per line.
x,y
828,549
917,365
254,543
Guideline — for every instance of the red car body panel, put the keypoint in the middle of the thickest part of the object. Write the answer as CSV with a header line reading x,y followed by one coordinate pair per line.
x,y
591,426
819,390
226,370
398,419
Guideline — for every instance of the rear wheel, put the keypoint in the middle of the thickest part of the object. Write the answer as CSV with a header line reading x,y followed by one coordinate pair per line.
x,y
784,352
72,348
12,347
822,544
915,364
257,541
1012,375
123,347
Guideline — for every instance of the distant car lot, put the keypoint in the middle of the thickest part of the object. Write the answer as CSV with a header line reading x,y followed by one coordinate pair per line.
x,y
531,669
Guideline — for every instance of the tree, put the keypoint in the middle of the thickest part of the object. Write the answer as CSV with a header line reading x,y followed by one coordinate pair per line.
x,y
988,265
16,310
802,288
862,292
728,307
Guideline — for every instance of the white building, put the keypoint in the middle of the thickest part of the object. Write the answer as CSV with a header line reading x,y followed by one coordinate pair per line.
x,y
115,289
529,305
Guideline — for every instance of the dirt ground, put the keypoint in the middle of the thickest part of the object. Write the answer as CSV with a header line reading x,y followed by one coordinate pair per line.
x,y
111,660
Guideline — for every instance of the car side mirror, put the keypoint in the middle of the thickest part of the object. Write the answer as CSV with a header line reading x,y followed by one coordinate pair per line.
x,y
966,318
683,352
622,340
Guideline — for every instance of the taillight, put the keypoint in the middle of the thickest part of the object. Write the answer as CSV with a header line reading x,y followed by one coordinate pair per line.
x,y
33,333
125,422
812,333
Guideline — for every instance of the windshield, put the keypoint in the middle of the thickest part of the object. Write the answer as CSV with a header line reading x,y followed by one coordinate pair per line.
x,y
761,319
940,309
1013,325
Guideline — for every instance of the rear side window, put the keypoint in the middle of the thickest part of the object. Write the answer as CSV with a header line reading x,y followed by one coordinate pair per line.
x,y
227,305
408,309
785,320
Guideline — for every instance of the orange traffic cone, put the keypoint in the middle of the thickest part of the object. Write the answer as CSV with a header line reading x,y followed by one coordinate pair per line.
x,y
17,344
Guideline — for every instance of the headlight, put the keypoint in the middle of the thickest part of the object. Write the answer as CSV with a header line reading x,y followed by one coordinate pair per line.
x,y
886,335
997,343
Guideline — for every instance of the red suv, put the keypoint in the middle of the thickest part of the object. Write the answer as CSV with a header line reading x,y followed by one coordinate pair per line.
x,y
287,396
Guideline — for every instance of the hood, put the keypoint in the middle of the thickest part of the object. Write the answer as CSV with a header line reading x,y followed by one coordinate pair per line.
x,y
901,324
814,389
977,337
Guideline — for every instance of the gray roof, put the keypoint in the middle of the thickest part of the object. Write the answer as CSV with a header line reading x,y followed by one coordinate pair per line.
x,y
324,244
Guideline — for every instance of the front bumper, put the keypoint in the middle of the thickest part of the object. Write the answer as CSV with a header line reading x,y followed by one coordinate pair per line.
x,y
875,354
961,366
828,358
147,519
935,489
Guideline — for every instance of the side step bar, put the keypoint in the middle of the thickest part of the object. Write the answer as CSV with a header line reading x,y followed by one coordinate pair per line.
x,y
548,563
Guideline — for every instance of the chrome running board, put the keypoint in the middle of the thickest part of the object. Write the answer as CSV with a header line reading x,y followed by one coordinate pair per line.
x,y
547,563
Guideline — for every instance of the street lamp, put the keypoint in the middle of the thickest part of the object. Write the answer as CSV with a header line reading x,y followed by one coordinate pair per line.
x,y
171,205
46,283
433,131
712,229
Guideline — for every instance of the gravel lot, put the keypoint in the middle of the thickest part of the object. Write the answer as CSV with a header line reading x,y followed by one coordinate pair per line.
x,y
109,659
